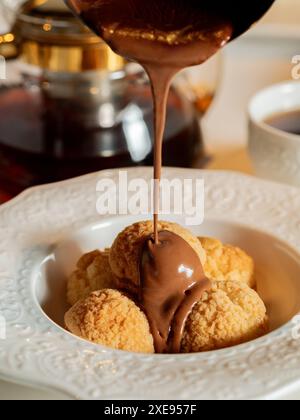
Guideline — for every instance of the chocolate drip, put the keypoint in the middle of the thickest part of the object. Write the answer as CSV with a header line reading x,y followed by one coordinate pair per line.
x,y
172,282
165,36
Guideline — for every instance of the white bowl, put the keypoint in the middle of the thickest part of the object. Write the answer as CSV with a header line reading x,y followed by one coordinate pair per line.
x,y
46,229
275,153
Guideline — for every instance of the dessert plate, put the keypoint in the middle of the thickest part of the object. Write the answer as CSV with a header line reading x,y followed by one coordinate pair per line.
x,y
45,230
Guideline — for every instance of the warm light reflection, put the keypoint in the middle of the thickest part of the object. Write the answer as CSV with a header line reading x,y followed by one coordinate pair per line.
x,y
136,133
185,270
47,27
7,38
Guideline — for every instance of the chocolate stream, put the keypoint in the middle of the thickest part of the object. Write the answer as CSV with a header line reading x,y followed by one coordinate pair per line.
x,y
160,83
165,36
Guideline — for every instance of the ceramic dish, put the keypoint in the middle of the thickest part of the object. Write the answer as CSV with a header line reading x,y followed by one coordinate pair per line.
x,y
275,153
43,232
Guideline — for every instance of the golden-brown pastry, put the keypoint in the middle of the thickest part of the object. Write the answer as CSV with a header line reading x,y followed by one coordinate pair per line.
x,y
125,252
229,314
110,318
93,273
226,262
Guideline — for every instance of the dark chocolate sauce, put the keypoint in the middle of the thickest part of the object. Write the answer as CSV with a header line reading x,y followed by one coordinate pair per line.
x,y
172,282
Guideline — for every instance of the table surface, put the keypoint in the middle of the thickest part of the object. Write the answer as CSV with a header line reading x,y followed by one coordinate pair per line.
x,y
249,65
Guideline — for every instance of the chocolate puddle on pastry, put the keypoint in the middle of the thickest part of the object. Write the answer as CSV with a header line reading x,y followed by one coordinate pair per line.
x,y
172,281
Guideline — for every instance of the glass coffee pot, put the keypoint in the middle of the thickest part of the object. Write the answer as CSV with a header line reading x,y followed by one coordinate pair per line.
x,y
76,107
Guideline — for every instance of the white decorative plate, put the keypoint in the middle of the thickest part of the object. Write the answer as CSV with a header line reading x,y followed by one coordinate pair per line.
x,y
43,232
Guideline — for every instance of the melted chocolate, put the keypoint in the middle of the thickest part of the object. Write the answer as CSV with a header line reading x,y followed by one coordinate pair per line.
x,y
162,60
165,36
172,282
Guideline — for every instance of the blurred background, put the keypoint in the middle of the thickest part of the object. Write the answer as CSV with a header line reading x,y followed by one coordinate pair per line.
x,y
69,106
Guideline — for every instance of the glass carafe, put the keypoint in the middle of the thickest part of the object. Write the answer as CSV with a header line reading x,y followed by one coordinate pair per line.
x,y
71,106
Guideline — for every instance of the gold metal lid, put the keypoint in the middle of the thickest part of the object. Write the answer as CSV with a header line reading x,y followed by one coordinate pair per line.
x,y
48,36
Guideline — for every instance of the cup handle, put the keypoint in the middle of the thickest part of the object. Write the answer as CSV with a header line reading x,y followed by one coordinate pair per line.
x,y
8,46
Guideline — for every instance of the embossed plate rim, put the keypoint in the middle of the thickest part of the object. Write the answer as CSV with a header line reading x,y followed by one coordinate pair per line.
x,y
42,355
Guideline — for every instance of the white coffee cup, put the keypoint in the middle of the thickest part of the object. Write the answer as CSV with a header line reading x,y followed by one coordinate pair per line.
x,y
275,153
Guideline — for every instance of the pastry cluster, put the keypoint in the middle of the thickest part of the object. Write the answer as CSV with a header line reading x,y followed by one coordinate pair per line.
x,y
103,310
